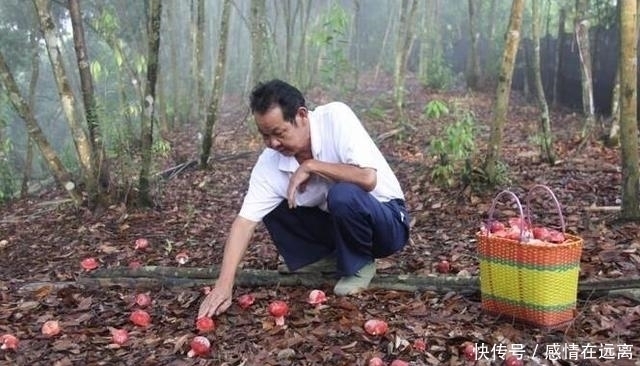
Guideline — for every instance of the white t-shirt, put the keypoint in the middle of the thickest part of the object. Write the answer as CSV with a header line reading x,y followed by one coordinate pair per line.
x,y
337,136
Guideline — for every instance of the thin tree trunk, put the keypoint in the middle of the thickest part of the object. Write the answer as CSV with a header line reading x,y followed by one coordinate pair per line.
x,y
559,60
385,40
90,107
584,51
219,76
175,75
403,47
546,144
473,67
614,131
354,44
67,99
257,24
199,66
146,127
303,49
628,110
59,172
33,83
501,105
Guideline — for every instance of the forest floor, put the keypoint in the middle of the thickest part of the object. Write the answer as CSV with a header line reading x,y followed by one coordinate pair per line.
x,y
44,241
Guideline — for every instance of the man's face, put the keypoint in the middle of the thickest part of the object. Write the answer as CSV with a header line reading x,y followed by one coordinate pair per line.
x,y
283,136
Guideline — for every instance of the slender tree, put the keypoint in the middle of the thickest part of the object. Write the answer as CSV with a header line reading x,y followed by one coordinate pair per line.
x,y
218,84
501,103
584,51
101,173
403,48
59,172
559,60
258,36
148,115
473,67
67,98
546,144
628,110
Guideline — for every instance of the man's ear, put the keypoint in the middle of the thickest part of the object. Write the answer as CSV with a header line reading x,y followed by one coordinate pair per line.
x,y
302,114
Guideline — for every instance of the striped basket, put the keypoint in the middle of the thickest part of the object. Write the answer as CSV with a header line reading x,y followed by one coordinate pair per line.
x,y
533,283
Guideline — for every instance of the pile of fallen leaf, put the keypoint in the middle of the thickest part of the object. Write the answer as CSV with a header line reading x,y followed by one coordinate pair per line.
x,y
44,243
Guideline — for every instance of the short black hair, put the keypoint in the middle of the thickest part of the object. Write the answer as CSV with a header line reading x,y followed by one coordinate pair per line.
x,y
277,93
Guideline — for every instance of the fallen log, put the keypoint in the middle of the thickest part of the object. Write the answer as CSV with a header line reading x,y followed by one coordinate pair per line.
x,y
184,277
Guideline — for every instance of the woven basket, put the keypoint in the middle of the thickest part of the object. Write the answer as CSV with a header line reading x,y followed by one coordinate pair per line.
x,y
533,283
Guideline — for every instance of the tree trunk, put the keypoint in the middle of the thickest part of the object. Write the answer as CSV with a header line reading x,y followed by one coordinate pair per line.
x,y
258,35
355,43
146,126
385,41
473,66
219,76
302,69
90,107
403,48
557,65
501,104
67,99
59,172
628,110
33,83
546,144
614,132
200,96
584,51
175,79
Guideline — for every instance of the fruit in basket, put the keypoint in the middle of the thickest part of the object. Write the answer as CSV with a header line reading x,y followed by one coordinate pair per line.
x,y
541,233
556,236
496,226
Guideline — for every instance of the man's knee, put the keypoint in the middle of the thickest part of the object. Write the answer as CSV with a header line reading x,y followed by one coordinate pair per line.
x,y
343,197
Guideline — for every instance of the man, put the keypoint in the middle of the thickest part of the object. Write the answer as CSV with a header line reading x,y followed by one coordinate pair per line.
x,y
325,193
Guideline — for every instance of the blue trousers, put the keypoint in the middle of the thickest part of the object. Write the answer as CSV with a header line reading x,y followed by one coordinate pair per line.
x,y
357,229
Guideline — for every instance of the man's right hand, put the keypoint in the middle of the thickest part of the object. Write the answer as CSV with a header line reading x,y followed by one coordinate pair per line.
x,y
216,302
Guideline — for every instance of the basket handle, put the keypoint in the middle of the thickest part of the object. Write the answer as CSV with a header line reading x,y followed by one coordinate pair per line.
x,y
555,200
515,197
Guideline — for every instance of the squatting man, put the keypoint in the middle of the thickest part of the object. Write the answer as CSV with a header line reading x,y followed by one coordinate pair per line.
x,y
323,190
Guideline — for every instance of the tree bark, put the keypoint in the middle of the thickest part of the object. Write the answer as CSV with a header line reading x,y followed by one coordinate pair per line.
x,y
258,35
219,76
628,110
33,83
613,139
149,103
200,96
501,103
154,277
584,51
101,173
546,144
59,172
473,68
67,99
559,60
403,48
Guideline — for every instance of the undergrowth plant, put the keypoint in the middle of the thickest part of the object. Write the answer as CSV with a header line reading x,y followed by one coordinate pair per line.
x,y
454,147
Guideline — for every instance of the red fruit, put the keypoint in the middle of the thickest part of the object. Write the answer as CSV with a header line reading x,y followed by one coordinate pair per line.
x,y
501,233
518,223
399,363
89,264
541,233
200,346
556,236
512,360
317,297
206,290
143,300
376,327
419,345
51,328
8,341
246,300
496,226
376,361
135,264
119,336
443,266
140,318
182,257
278,309
205,324
469,351
141,244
